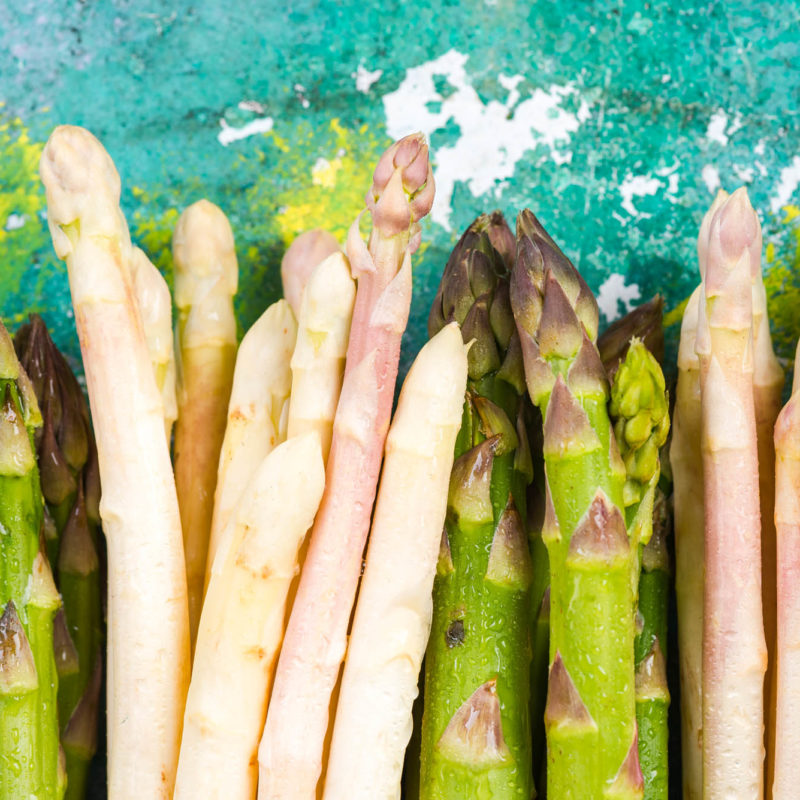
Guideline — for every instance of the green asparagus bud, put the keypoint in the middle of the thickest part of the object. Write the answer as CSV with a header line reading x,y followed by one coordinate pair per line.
x,y
70,486
476,739
590,708
643,322
28,597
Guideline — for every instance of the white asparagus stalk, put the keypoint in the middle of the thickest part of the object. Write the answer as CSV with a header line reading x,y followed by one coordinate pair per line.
x,y
261,386
206,276
242,624
787,523
155,309
686,461
393,616
149,643
302,257
734,650
319,355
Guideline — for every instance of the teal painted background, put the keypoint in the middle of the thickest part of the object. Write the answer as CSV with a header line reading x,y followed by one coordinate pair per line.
x,y
615,121
612,120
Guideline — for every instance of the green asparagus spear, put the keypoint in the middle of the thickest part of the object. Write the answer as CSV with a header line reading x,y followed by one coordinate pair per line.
x,y
639,411
30,765
590,713
64,450
475,728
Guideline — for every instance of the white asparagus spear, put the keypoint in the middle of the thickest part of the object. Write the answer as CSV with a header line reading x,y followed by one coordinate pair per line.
x,y
787,523
393,616
319,355
242,624
300,259
261,385
734,650
155,309
148,622
206,276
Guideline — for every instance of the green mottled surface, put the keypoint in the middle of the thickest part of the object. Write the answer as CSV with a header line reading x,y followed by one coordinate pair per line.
x,y
607,118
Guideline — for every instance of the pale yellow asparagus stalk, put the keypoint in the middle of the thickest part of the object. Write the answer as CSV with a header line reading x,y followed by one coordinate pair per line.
x,y
155,309
242,624
393,616
787,523
319,355
148,655
291,750
308,250
206,276
261,385
734,651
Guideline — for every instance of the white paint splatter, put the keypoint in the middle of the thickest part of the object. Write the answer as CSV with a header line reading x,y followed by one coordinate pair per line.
x,y
365,78
252,105
637,186
614,292
229,133
790,180
744,174
494,136
760,147
716,127
666,77
710,176
15,221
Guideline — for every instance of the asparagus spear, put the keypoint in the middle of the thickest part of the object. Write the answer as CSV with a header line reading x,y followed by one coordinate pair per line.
x,y
63,452
787,522
292,747
302,257
155,307
260,393
28,598
476,734
642,322
242,624
734,651
206,276
148,653
318,360
393,615
590,714
639,411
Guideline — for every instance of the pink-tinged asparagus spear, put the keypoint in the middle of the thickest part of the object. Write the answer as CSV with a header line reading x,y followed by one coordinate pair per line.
x,y
787,523
301,258
687,470
292,746
148,658
734,650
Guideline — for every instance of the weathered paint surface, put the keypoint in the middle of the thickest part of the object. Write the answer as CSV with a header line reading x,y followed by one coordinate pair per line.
x,y
613,121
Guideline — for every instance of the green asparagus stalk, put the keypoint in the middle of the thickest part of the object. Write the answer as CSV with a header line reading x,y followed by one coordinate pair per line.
x,y
640,412
64,449
590,714
31,765
476,739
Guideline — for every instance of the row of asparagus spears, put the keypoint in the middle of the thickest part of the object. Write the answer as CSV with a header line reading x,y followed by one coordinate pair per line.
x,y
510,523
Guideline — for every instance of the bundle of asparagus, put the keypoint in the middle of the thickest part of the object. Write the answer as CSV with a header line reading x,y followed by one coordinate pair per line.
x,y
531,543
